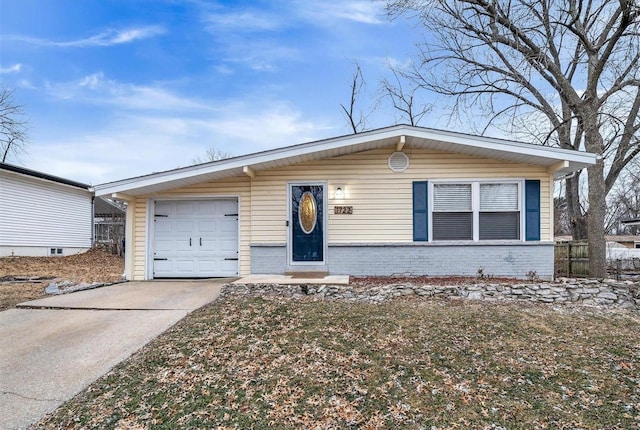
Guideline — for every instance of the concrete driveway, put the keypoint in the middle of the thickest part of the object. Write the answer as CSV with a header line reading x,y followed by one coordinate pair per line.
x,y
52,348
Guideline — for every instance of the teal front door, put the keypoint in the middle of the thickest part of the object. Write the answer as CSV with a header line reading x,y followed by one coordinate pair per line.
x,y
307,223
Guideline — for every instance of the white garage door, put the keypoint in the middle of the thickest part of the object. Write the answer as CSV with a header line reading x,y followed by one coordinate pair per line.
x,y
196,238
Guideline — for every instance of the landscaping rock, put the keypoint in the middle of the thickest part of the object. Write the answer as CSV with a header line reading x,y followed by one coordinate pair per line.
x,y
564,290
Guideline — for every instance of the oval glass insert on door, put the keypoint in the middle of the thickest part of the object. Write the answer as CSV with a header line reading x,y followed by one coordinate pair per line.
x,y
307,212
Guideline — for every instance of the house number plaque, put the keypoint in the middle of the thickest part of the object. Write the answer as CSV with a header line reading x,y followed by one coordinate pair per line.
x,y
343,210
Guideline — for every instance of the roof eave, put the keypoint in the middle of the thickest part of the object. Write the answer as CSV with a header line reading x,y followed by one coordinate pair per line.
x,y
23,171
358,142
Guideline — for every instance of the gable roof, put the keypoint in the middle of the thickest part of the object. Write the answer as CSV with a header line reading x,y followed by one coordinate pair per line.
x,y
42,176
560,161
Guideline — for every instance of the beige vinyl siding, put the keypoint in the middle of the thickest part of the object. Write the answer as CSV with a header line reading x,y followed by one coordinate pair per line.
x,y
381,199
232,187
139,238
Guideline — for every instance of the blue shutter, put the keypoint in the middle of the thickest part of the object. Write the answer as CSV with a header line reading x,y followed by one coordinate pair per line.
x,y
532,209
420,211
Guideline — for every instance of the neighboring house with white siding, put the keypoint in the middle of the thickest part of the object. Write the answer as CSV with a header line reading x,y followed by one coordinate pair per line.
x,y
398,200
631,221
108,221
43,215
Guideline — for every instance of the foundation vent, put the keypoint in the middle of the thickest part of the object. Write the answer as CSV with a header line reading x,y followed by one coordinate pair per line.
x,y
398,162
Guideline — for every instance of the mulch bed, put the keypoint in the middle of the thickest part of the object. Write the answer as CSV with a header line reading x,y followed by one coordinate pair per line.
x,y
25,278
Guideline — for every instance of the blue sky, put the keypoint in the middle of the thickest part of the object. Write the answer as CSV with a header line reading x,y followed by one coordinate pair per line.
x,y
120,88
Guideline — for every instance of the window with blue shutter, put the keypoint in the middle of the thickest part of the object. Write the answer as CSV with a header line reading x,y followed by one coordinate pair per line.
x,y
420,211
452,212
499,216
532,209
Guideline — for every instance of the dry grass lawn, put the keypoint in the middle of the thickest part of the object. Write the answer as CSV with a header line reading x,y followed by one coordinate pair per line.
x,y
418,364
92,266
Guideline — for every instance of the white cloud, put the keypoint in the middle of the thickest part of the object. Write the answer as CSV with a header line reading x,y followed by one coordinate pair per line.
x,y
135,143
11,69
25,83
223,69
262,56
396,63
290,13
144,145
326,12
92,81
95,88
235,28
241,21
106,38
267,126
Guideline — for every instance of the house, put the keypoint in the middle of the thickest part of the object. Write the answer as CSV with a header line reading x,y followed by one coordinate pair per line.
x,y
630,222
43,215
628,241
397,200
108,223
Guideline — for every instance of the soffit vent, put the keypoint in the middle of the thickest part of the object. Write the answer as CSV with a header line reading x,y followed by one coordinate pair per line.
x,y
398,161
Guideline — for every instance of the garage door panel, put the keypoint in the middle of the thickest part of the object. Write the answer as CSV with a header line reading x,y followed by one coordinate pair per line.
x,y
209,208
162,266
184,227
164,208
227,207
229,267
164,246
207,226
208,265
163,226
185,266
227,245
209,245
229,226
183,245
196,238
184,208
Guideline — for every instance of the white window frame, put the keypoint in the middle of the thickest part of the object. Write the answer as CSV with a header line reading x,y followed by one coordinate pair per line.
x,y
475,205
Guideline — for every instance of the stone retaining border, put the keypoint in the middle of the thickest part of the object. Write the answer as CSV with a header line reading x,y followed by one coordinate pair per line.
x,y
607,292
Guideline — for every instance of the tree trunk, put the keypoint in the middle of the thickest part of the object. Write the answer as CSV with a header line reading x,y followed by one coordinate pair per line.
x,y
577,220
595,222
597,206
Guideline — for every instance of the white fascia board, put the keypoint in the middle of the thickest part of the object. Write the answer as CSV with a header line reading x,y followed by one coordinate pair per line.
x,y
504,145
239,162
358,141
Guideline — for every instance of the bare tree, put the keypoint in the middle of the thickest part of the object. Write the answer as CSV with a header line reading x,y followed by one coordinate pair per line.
x,y
13,127
624,201
574,63
402,93
356,117
212,154
560,220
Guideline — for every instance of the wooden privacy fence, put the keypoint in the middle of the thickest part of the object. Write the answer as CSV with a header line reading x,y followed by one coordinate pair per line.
x,y
571,258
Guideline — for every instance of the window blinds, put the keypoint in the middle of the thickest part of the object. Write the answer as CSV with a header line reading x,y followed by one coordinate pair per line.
x,y
452,197
498,197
